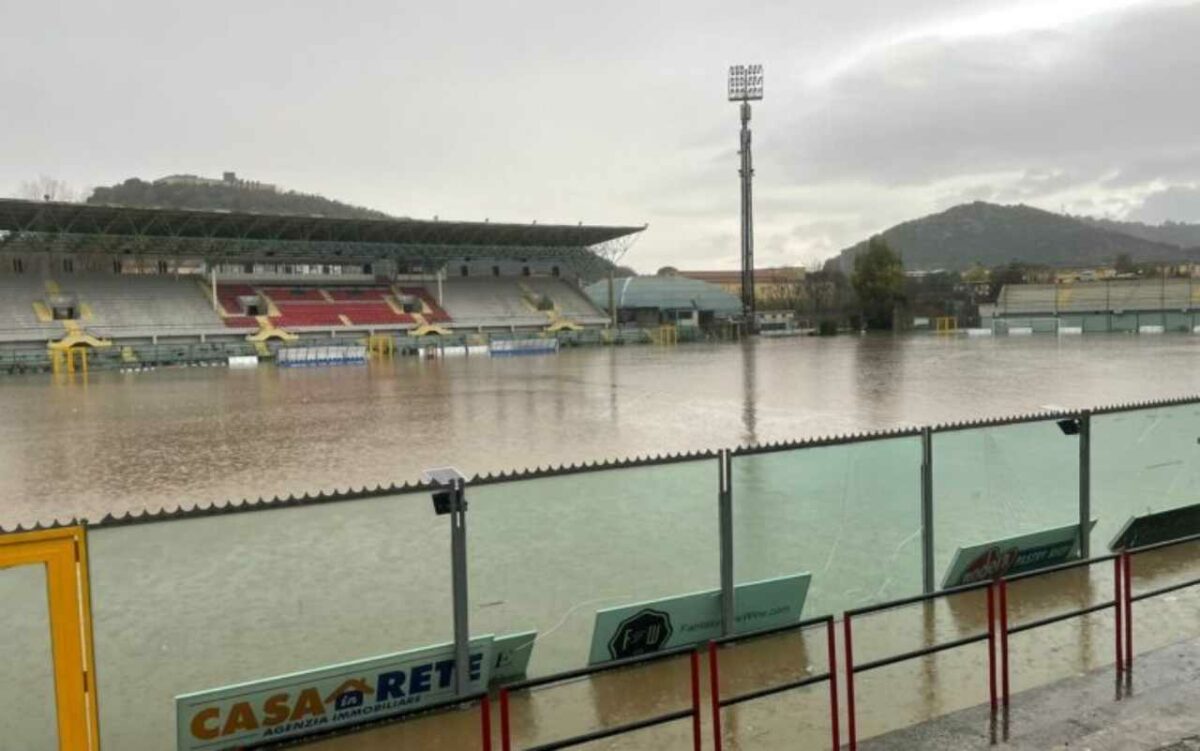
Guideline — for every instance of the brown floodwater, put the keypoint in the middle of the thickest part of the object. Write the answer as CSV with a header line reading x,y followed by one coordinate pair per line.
x,y
128,441
196,604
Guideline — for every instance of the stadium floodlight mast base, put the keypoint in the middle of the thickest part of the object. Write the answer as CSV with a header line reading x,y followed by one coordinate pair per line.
x,y
449,498
745,86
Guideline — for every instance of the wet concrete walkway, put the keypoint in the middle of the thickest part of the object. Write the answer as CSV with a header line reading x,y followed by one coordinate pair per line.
x,y
1154,710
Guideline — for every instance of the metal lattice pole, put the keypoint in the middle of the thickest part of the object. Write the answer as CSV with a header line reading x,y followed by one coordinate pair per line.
x,y
746,85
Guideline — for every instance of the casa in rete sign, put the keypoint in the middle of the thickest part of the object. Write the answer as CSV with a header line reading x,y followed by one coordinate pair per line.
x,y
317,700
1013,555
646,627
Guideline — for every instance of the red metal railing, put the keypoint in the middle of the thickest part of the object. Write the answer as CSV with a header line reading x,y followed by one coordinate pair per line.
x,y
718,703
1130,597
693,712
996,636
852,668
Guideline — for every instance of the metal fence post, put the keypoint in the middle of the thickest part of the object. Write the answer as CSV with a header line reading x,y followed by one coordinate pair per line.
x,y
927,579
458,562
725,504
1085,484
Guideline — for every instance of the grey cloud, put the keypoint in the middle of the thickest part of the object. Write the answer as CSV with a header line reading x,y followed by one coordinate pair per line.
x,y
1092,98
1177,203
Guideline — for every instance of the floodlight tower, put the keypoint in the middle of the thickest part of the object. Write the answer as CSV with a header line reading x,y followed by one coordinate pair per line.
x,y
745,86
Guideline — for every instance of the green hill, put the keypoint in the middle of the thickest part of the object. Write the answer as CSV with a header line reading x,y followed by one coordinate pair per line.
x,y
228,196
1174,233
987,234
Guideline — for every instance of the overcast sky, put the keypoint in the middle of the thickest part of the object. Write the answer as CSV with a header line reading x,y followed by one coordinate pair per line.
x,y
615,112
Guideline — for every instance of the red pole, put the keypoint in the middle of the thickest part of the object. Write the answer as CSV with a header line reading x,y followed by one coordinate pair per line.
x,y
851,731
714,693
505,738
833,701
485,722
1128,573
991,642
1119,607
696,701
1004,641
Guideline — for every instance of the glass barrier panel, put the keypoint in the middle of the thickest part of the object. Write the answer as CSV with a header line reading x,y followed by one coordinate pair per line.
x,y
1143,461
849,514
1095,324
28,719
195,604
547,553
1179,322
1123,322
992,483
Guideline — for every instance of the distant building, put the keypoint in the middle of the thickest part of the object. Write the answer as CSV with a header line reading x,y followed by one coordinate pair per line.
x,y
655,300
774,287
1069,276
1147,305
227,179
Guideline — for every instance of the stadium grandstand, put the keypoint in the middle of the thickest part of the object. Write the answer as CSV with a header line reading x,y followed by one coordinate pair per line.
x,y
1120,305
121,281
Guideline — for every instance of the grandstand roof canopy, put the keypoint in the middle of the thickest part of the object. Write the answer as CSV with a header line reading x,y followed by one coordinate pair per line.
x,y
38,216
81,227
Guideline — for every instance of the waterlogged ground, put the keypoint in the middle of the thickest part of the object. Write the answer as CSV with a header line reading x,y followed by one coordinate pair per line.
x,y
178,437
192,605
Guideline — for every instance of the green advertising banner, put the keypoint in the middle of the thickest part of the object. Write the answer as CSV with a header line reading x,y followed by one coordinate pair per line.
x,y
1013,555
646,627
511,655
1159,526
313,701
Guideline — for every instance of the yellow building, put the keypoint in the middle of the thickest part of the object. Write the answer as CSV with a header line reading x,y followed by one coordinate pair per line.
x,y
777,287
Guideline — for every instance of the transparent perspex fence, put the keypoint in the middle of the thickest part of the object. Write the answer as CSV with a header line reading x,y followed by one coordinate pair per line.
x,y
848,514
200,603
546,554
1001,481
1143,461
27,710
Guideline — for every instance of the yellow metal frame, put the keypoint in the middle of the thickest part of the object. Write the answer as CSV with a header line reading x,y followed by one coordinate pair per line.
x,y
64,554
69,360
946,324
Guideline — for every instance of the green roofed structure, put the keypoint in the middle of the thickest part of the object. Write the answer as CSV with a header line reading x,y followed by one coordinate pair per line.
x,y
651,300
124,282
224,236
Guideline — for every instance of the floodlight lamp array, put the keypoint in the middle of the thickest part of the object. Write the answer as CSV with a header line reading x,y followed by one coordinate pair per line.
x,y
745,83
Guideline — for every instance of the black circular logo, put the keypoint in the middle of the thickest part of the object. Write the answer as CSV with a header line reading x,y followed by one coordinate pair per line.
x,y
645,631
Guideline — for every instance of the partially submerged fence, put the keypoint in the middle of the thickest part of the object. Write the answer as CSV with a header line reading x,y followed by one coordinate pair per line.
x,y
191,599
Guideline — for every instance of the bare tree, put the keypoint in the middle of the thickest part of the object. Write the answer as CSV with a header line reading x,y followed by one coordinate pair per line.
x,y
46,188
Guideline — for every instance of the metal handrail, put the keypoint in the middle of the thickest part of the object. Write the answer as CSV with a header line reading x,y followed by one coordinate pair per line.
x,y
830,675
848,644
606,667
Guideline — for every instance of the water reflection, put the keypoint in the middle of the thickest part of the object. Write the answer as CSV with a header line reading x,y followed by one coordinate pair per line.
x,y
749,391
